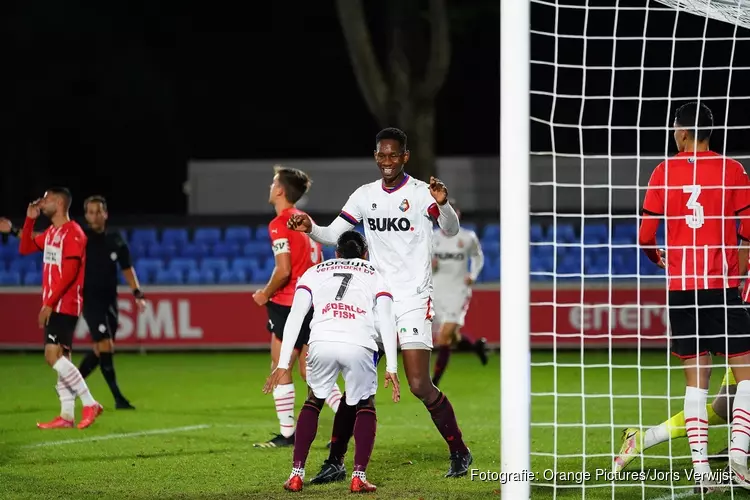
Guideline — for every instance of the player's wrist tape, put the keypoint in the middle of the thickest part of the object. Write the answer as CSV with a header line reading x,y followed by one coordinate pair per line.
x,y
138,294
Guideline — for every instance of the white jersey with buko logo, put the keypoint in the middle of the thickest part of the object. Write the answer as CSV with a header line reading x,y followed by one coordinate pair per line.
x,y
398,226
456,257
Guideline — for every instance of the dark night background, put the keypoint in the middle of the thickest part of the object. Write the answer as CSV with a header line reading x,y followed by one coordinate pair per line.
x,y
115,97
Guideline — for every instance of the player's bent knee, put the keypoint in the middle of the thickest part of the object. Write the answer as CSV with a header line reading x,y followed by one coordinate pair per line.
x,y
366,404
312,400
421,387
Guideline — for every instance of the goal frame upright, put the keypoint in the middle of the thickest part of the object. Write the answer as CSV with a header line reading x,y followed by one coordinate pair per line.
x,y
515,357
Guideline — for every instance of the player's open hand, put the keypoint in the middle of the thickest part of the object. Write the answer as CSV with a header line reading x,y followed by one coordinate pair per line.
x,y
393,379
300,222
438,191
5,225
33,211
663,259
44,315
273,380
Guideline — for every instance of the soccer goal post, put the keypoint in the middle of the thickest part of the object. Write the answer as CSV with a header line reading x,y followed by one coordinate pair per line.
x,y
589,90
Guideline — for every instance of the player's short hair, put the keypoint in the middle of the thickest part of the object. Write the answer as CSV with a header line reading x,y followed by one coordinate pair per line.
x,y
696,119
64,193
392,133
95,199
294,181
351,245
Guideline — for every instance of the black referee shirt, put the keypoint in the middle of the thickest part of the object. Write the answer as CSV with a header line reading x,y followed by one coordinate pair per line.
x,y
104,252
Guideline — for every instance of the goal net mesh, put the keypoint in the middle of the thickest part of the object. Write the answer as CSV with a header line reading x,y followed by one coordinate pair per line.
x,y
606,79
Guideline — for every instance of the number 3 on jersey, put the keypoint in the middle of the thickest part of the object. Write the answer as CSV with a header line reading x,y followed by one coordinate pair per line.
x,y
696,219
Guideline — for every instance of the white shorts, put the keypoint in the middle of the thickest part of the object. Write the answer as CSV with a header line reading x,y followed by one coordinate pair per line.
x,y
325,360
451,308
414,322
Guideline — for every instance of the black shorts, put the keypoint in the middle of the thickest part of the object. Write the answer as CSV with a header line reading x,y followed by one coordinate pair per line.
x,y
718,324
60,330
101,317
277,315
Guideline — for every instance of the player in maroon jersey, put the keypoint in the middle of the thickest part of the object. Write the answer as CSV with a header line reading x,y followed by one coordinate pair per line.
x,y
701,194
294,253
64,248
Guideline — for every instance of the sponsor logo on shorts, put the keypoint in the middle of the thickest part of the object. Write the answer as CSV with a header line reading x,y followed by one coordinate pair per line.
x,y
415,331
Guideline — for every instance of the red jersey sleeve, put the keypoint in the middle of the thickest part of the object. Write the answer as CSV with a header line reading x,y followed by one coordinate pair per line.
x,y
653,203
741,195
74,245
279,235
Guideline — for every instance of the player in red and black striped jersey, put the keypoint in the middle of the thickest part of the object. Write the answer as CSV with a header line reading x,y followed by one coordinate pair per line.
x,y
63,245
701,195
294,254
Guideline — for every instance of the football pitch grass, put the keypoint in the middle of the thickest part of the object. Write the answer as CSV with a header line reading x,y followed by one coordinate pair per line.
x,y
199,414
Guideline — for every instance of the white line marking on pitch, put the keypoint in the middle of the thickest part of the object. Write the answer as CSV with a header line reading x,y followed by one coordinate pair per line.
x,y
107,437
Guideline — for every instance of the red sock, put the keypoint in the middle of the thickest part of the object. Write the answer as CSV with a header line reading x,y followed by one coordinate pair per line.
x,y
444,419
444,354
364,437
304,435
343,428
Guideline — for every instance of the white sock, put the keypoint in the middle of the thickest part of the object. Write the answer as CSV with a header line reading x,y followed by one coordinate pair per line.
x,y
696,424
655,435
71,377
67,400
740,424
283,397
296,471
334,399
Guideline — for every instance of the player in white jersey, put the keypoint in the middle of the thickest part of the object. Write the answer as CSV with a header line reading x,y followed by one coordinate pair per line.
x,y
453,280
345,294
398,212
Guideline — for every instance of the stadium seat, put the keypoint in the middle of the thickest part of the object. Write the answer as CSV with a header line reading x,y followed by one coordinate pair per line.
x,y
262,271
261,234
563,233
193,251
10,278
491,232
328,253
168,277
182,265
257,249
198,277
2,265
174,236
359,228
22,265
144,236
215,264
626,231
238,234
491,271
207,235
244,264
490,247
536,233
227,250
32,278
138,251
594,233
147,268
232,277
161,251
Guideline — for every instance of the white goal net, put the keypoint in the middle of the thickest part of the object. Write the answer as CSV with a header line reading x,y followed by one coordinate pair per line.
x,y
606,77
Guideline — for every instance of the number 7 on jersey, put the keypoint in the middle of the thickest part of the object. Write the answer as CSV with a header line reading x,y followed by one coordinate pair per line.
x,y
345,279
696,219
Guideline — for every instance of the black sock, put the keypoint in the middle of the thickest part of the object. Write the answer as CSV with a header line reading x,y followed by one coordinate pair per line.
x,y
89,364
108,370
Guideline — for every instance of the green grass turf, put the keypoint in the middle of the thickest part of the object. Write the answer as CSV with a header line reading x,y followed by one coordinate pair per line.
x,y
223,393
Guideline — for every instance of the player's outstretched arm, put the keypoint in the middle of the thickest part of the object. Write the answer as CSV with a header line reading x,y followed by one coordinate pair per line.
x,y
300,307
325,235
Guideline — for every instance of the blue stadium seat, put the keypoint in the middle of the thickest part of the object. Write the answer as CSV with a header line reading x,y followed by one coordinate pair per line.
x,y
244,264
10,250
469,226
626,231
491,271
32,278
238,234
261,233
536,233
10,278
491,232
2,265
594,233
207,235
198,277
182,265
168,277
257,249
161,251
563,233
263,270
22,265
147,268
137,251
174,236
491,247
227,250
232,277
359,228
193,251
329,253
215,264
144,236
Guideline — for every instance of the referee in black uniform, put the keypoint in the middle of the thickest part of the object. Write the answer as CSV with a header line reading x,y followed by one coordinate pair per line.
x,y
104,251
